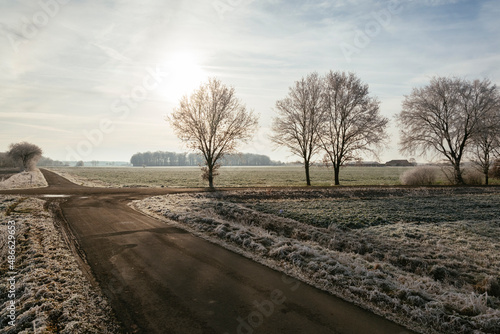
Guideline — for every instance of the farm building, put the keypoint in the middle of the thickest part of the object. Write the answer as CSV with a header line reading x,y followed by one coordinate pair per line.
x,y
399,163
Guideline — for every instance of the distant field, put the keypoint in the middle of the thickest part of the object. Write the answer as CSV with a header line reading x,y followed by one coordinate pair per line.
x,y
235,176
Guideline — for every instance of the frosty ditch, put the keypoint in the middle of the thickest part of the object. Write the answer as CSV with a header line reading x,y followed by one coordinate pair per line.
x,y
11,274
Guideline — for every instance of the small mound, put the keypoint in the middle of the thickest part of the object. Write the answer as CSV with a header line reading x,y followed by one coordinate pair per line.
x,y
31,179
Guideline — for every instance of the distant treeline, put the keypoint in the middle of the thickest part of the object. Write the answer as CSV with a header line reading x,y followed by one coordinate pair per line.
x,y
48,162
7,162
160,158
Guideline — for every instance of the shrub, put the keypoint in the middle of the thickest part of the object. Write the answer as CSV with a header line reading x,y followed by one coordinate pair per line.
x,y
420,176
473,177
26,154
6,161
495,169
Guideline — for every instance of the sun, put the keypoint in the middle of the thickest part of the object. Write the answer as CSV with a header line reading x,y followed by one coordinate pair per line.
x,y
185,74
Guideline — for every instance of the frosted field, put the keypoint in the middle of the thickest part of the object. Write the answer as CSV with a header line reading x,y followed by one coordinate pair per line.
x,y
229,176
277,176
427,258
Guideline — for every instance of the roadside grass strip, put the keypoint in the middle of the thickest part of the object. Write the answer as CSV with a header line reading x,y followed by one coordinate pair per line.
x,y
51,295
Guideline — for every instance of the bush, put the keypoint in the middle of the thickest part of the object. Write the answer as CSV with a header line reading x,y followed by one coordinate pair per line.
x,y
495,169
26,154
420,176
473,177
6,161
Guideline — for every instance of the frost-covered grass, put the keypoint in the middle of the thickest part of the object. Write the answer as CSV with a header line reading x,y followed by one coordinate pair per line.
x,y
31,179
52,294
415,206
229,176
427,258
278,176
85,180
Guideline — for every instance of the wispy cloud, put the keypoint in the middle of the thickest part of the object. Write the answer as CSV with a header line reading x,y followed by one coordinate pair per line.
x,y
65,79
41,116
38,127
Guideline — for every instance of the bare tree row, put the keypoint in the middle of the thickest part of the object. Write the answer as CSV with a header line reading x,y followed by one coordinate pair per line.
x,y
336,115
454,118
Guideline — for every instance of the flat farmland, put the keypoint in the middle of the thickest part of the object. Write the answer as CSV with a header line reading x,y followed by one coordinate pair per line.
x,y
428,258
278,176
425,257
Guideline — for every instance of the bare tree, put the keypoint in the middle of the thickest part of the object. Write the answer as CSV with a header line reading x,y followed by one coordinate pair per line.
x,y
486,143
444,117
213,121
353,124
299,117
26,154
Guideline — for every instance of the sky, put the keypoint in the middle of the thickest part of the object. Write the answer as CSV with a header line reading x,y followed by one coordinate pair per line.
x,y
94,80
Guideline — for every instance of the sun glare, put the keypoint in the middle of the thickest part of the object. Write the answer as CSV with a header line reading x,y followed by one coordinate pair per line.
x,y
185,74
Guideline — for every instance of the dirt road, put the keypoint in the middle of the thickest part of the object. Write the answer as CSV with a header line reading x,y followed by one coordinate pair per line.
x,y
161,279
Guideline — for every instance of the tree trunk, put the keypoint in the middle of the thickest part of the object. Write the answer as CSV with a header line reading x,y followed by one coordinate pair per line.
x,y
211,177
459,180
336,170
486,179
308,178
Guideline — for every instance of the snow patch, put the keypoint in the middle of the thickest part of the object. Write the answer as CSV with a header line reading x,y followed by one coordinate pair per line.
x,y
25,180
56,196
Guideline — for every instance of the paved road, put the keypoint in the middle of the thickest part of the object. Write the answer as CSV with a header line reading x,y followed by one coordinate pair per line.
x,y
161,279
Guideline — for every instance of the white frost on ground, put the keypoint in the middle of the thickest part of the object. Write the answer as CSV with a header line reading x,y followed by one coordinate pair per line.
x,y
32,179
310,254
52,294
82,181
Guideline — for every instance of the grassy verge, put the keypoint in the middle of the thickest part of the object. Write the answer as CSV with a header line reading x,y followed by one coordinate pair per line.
x,y
51,293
